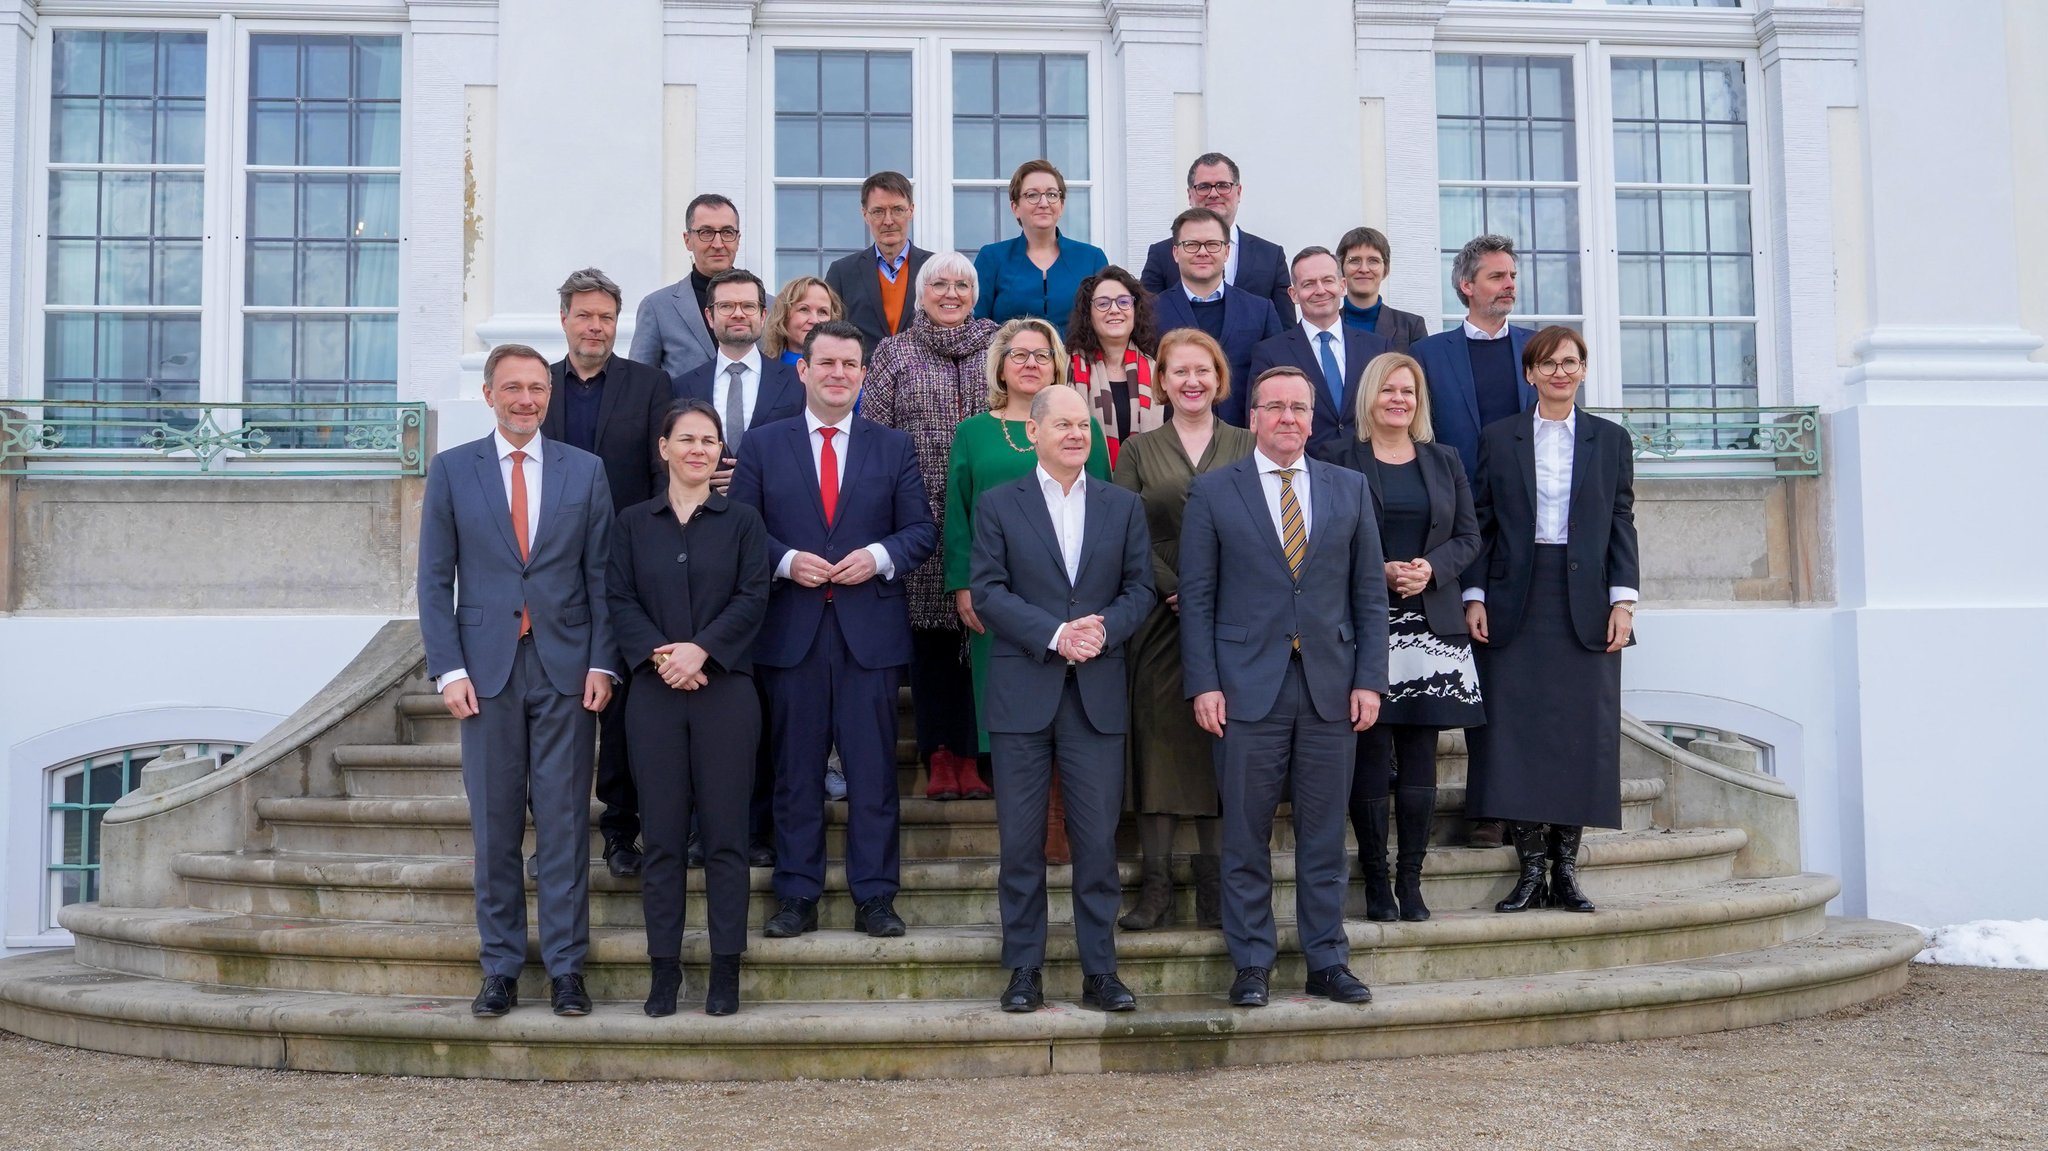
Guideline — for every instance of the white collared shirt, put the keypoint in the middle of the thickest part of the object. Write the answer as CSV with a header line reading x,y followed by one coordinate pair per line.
x,y
1269,482
750,382
1556,442
1069,512
1476,333
1315,344
885,568
1230,261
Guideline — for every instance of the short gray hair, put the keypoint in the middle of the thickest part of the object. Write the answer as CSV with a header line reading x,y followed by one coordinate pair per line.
x,y
1466,265
589,280
953,262
1043,400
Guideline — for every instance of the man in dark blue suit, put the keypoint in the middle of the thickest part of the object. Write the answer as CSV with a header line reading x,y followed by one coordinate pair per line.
x,y
1201,299
767,390
1255,265
1474,371
847,519
1329,352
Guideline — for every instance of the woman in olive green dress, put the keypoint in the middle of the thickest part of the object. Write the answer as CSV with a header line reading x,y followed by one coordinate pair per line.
x,y
1173,774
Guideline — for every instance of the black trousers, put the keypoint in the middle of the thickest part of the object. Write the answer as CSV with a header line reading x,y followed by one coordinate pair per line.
x,y
621,818
693,755
1386,750
942,691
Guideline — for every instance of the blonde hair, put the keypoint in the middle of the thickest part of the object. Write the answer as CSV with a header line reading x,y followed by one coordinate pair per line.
x,y
774,337
1180,338
998,391
1375,380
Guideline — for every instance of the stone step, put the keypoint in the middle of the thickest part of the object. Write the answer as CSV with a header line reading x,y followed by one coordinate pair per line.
x,y
437,958
437,889
55,998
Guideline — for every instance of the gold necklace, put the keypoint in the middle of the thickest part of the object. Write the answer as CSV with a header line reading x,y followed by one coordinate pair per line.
x,y
1005,425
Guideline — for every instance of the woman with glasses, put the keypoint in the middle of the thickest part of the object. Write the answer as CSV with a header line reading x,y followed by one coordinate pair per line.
x,y
1039,272
1429,536
925,380
1550,602
1110,336
803,304
992,449
1172,772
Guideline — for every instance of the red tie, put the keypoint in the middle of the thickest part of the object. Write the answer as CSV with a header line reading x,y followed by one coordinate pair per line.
x,y
519,526
828,475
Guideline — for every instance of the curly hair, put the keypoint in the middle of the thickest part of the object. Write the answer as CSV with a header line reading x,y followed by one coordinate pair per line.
x,y
1081,338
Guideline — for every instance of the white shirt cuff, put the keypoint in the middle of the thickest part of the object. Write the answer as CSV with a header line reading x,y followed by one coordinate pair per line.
x,y
1622,595
605,671
456,676
884,566
1474,595
1057,632
782,567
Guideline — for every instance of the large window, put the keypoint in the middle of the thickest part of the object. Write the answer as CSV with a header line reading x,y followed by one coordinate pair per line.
x,y
1008,108
80,795
839,117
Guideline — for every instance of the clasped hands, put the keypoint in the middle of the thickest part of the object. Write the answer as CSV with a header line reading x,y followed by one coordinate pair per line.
x,y
1083,639
810,570
681,665
1408,578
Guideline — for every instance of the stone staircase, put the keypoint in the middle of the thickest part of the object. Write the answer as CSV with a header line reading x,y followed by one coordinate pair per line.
x,y
309,906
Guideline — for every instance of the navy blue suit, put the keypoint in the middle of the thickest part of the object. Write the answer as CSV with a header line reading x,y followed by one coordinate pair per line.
x,y
1247,319
1453,398
832,657
781,394
1261,270
1335,418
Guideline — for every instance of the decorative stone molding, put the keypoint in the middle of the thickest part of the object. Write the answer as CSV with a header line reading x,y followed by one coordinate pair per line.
x,y
1156,21
1808,32
1382,24
709,17
955,15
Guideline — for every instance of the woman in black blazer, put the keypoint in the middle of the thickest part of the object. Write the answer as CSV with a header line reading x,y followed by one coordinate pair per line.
x,y
688,588
1429,535
1551,602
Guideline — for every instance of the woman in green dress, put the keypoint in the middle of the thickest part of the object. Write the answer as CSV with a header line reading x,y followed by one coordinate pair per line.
x,y
992,449
1173,774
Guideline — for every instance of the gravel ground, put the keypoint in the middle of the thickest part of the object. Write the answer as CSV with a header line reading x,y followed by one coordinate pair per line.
x,y
1958,1059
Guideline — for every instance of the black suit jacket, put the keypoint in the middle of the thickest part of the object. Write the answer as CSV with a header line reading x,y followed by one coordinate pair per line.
x,y
1247,319
854,278
704,582
1602,524
628,426
781,394
1335,420
1261,270
1453,538
1397,327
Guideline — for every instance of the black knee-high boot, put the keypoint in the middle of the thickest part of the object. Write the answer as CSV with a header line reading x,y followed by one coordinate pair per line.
x,y
1529,848
1369,823
1414,811
1564,869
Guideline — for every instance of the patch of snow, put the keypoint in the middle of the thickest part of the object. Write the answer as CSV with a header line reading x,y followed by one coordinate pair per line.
x,y
1989,943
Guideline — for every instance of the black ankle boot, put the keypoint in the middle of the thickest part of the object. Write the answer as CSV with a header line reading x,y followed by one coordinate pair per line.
x,y
662,989
1529,848
1369,823
1414,812
1564,869
723,996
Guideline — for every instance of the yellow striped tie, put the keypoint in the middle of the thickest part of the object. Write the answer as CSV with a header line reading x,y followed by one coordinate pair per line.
x,y
1293,540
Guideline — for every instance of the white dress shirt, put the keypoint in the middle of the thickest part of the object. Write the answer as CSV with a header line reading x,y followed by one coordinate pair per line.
x,y
1555,444
885,568
750,382
1269,482
1230,261
1474,333
1315,345
1069,512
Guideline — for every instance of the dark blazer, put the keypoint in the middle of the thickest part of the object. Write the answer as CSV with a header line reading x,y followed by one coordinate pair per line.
x,y
1446,363
1238,619
703,582
855,279
1247,319
1602,524
1453,539
1335,419
1402,329
881,500
1261,270
474,624
780,397
1022,594
628,426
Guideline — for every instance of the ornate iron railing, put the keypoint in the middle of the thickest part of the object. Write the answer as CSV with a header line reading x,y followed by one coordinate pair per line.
x,y
364,439
1722,442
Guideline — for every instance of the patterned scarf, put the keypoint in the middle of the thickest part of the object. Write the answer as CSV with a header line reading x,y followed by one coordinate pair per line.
x,y
1147,412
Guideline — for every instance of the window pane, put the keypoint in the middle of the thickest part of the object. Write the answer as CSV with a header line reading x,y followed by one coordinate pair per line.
x,y
1076,222
889,143
267,348
796,218
840,220
975,217
274,67
75,62
376,140
1017,85
843,147
796,145
974,84
74,203
376,207
1066,85
374,282
796,81
889,84
377,68
840,116
1016,142
273,133
373,348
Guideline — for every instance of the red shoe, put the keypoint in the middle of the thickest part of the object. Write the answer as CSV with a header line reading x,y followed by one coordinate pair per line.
x,y
967,772
943,779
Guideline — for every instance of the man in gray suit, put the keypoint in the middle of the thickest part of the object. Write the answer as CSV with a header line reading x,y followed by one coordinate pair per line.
x,y
668,330
1062,576
522,654
1284,653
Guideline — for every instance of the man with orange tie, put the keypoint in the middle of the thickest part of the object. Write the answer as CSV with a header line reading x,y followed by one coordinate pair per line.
x,y
515,533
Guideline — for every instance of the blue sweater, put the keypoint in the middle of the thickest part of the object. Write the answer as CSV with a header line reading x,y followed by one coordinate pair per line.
x,y
1012,286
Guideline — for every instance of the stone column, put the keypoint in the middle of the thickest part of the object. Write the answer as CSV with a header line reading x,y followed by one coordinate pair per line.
x,y
706,62
451,54
1396,52
1154,89
17,55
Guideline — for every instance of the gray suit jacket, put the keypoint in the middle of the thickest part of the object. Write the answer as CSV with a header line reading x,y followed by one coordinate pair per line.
x,y
1021,591
466,532
1238,618
669,331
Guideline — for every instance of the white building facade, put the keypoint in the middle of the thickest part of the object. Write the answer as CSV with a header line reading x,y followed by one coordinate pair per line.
x,y
1748,206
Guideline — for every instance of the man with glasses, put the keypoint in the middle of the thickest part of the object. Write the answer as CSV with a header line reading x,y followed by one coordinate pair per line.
x,y
669,329
1254,265
1284,653
874,283
1332,355
1364,257
1236,319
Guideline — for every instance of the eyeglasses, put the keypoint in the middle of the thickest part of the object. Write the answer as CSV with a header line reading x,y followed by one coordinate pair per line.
x,y
1022,356
1212,187
1113,303
894,212
1365,262
1569,367
736,308
957,287
706,235
1203,247
1276,410
1046,196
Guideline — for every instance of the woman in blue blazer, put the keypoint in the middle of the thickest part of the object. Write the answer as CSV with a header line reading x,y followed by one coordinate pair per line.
x,y
1039,272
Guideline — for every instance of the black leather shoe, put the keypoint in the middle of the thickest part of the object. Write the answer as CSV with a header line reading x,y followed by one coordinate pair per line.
x,y
878,918
621,856
568,995
760,855
1336,983
1025,992
533,868
795,917
693,855
1107,992
722,997
500,994
1249,988
662,989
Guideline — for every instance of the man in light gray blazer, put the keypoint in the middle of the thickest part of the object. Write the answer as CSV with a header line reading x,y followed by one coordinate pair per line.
x,y
515,533
1062,576
669,329
1284,653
